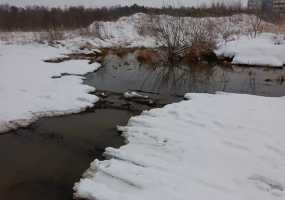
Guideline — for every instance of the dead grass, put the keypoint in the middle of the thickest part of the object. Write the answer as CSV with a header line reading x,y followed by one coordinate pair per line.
x,y
148,56
119,51
282,26
275,28
199,52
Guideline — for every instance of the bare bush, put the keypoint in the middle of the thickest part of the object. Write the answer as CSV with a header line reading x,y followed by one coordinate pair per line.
x,y
40,37
51,35
256,25
6,36
55,34
179,34
98,30
171,32
86,32
225,27
202,37
202,33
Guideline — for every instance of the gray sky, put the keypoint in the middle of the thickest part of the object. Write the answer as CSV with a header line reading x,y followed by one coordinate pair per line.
x,y
100,3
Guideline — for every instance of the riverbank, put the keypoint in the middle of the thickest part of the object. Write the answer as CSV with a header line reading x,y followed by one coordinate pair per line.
x,y
56,78
230,38
29,91
190,150
58,141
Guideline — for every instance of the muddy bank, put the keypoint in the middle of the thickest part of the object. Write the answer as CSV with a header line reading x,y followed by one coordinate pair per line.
x,y
155,57
144,55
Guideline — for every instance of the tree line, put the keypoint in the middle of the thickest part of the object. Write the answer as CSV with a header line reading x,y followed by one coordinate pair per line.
x,y
35,18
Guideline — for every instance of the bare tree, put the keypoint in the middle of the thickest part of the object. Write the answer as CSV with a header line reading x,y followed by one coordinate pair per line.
x,y
178,35
55,34
225,27
202,32
256,25
171,32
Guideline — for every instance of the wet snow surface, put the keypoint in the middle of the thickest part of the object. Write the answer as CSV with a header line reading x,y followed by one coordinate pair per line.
x,y
224,146
28,91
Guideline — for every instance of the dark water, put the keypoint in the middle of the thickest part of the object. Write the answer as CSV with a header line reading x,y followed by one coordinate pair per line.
x,y
44,161
120,74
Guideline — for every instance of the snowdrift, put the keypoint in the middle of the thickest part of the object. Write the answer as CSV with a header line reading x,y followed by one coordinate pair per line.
x,y
223,146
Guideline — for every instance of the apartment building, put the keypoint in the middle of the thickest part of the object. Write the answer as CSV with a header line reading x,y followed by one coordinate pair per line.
x,y
278,6
255,4
260,5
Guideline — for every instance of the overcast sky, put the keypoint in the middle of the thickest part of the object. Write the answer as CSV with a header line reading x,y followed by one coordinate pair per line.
x,y
100,3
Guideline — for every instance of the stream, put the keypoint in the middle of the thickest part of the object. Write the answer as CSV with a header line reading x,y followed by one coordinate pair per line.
x,y
44,160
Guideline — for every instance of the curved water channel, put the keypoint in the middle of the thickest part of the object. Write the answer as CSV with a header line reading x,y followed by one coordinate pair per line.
x,y
44,160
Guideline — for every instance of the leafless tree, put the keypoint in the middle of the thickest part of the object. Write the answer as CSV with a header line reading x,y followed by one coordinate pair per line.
x,y
202,32
225,27
256,25
179,34
171,32
55,34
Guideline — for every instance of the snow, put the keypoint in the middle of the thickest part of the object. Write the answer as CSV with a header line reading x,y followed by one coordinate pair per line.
x,y
214,146
124,31
28,91
266,50
133,94
232,36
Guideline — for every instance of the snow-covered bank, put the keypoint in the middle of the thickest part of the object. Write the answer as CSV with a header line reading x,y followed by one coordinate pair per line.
x,y
223,146
28,91
231,33
135,31
265,50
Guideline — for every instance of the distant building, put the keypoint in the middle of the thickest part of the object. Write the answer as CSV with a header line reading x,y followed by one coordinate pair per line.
x,y
260,5
278,6
254,4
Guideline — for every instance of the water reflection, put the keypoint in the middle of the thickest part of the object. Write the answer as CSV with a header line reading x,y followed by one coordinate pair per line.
x,y
121,74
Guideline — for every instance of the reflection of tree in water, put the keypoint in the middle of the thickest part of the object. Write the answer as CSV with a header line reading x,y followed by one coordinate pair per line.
x,y
252,82
121,74
235,79
178,79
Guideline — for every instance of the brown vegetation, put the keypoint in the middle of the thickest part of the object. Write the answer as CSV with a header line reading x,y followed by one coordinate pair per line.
x,y
118,51
282,26
148,56
200,52
177,35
